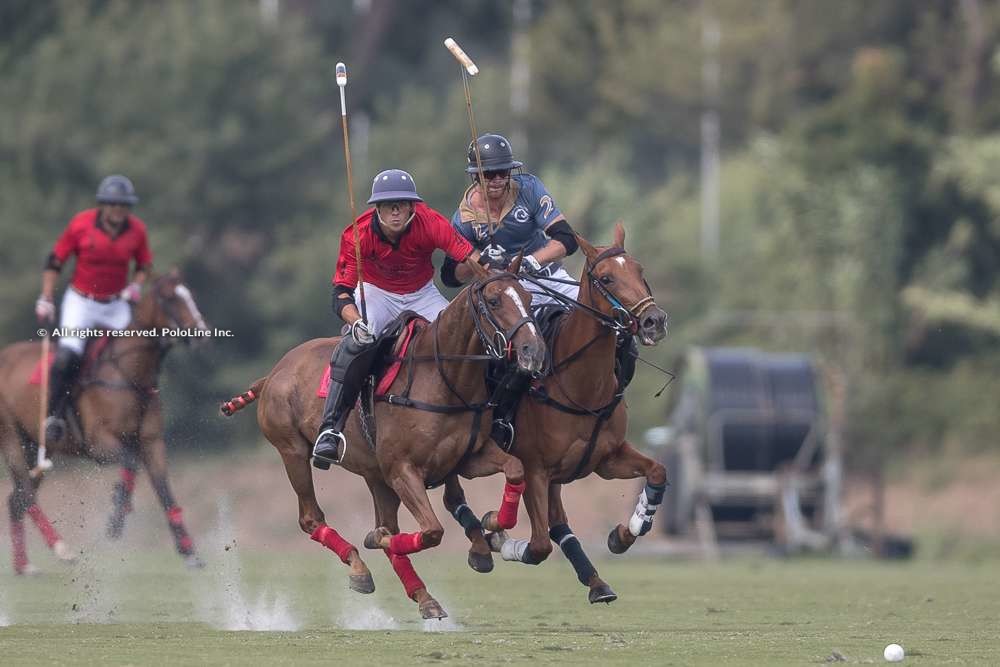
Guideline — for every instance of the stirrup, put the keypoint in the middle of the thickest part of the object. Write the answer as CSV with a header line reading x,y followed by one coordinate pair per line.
x,y
323,460
502,432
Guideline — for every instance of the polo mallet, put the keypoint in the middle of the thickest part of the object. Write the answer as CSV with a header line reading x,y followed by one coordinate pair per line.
x,y
469,69
43,464
342,83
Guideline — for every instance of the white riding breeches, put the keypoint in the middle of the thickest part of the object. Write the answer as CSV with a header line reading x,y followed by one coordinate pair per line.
x,y
383,307
540,298
78,312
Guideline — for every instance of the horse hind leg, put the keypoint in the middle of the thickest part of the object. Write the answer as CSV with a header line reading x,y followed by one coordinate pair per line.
x,y
387,516
295,455
480,556
562,535
629,463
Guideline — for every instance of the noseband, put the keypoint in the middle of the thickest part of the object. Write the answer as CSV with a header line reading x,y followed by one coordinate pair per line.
x,y
497,345
625,317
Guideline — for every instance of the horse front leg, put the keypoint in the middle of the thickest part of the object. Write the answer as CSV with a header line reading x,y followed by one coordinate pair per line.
x,y
536,501
629,463
387,516
121,498
480,556
562,535
154,457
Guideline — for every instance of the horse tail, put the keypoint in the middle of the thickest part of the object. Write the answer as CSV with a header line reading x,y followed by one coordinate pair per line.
x,y
237,403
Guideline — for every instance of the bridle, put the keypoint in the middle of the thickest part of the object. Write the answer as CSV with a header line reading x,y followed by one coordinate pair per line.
x,y
626,318
499,344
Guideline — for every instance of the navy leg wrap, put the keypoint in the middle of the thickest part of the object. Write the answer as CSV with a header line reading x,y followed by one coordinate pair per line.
x,y
654,494
464,516
573,550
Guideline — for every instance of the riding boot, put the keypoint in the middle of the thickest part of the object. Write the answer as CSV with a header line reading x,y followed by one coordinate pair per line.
x,y
62,377
505,400
348,367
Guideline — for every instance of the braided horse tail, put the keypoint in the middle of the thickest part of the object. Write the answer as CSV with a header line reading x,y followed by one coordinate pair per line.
x,y
246,398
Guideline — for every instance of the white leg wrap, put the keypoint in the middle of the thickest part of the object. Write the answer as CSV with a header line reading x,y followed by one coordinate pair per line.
x,y
642,519
513,550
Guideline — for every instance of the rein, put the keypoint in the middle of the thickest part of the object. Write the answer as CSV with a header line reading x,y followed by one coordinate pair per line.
x,y
498,347
113,359
623,322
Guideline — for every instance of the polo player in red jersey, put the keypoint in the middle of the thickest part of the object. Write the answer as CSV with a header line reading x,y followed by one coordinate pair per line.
x,y
397,238
105,241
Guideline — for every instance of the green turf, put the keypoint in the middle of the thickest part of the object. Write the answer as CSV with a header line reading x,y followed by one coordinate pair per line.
x,y
145,609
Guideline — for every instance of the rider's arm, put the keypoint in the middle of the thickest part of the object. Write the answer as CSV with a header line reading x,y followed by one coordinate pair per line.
x,y
143,259
456,274
50,277
65,246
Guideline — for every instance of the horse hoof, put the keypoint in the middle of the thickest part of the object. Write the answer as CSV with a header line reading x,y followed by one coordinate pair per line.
x,y
63,552
430,609
373,540
192,562
496,540
361,583
615,543
481,562
115,528
602,593
486,519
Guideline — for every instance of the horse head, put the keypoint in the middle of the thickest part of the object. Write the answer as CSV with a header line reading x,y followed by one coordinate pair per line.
x,y
501,311
168,304
617,289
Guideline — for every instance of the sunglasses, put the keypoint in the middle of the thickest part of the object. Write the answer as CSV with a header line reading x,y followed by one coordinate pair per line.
x,y
499,173
391,205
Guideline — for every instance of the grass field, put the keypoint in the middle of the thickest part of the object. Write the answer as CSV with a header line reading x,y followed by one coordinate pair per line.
x,y
125,608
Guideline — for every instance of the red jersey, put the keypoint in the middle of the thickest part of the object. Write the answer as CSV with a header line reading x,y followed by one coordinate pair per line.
x,y
405,267
102,262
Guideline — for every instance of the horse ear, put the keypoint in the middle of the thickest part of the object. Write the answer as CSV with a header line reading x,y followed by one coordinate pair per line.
x,y
478,270
515,266
620,234
588,249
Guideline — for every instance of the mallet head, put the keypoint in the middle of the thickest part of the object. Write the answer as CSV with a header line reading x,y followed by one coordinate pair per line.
x,y
341,74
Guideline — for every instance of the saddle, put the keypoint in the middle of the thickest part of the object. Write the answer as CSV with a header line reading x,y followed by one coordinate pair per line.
x,y
384,357
91,355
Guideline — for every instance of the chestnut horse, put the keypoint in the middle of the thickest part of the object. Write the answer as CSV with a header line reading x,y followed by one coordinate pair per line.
x,y
118,419
430,424
573,422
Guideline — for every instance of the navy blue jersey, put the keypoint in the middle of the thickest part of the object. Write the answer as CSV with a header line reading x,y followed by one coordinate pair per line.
x,y
529,209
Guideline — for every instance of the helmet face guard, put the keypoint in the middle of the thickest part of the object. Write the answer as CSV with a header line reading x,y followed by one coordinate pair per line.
x,y
117,189
495,154
393,185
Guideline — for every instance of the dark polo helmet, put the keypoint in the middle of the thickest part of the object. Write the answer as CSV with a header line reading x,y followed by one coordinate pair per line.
x,y
116,189
393,185
494,152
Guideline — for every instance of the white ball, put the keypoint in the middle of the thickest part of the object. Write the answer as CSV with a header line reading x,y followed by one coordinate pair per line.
x,y
893,653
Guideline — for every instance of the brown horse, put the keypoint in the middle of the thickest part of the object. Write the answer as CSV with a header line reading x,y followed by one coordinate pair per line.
x,y
429,424
118,418
573,423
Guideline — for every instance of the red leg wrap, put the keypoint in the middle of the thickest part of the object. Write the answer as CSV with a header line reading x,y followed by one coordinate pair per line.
x,y
403,568
174,516
44,527
17,544
507,516
332,540
128,480
405,543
